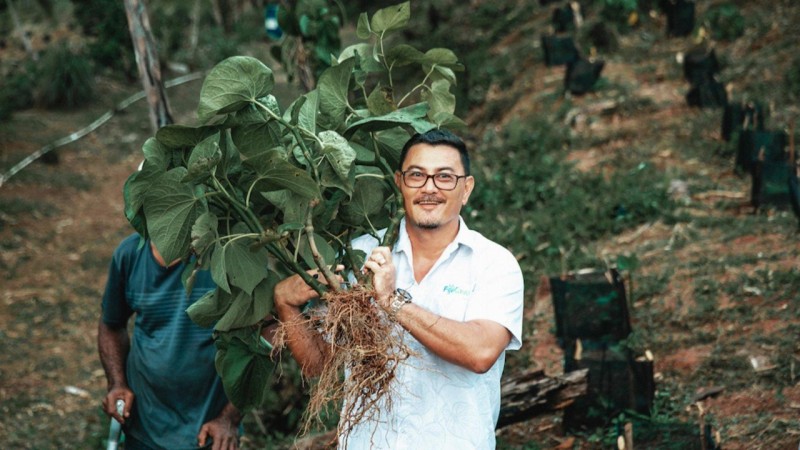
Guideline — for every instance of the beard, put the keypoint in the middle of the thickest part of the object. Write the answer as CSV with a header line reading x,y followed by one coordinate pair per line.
x,y
429,223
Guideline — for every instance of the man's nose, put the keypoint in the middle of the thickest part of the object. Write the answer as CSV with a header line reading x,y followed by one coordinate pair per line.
x,y
430,185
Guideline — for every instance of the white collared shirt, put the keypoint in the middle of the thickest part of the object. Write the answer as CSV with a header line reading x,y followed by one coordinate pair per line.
x,y
437,404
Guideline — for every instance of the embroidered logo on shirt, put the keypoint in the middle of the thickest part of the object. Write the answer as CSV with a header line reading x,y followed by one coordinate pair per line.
x,y
453,289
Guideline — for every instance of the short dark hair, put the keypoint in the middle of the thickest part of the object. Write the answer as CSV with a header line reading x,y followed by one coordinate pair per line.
x,y
438,136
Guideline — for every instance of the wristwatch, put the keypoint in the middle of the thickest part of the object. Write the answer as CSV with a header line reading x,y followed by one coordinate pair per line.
x,y
399,298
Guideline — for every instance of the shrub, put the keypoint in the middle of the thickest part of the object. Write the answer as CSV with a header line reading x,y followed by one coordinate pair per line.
x,y
622,13
792,78
725,22
64,79
106,23
16,91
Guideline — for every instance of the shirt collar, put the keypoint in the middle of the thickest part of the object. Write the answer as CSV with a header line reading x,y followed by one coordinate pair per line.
x,y
463,237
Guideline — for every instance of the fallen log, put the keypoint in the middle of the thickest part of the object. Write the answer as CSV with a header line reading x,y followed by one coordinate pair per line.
x,y
532,393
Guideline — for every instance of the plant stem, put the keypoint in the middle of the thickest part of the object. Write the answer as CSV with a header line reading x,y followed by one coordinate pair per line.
x,y
280,252
354,266
393,230
419,86
312,245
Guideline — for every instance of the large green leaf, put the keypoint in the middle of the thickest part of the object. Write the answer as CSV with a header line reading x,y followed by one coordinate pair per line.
x,y
233,84
444,119
338,160
381,100
443,73
364,54
327,210
208,309
219,273
367,199
390,143
307,118
325,250
392,18
362,26
180,136
334,84
245,265
254,113
441,57
245,367
293,206
439,98
363,154
157,154
157,159
402,55
133,196
231,163
246,310
237,264
275,173
171,208
258,138
413,115
203,159
204,232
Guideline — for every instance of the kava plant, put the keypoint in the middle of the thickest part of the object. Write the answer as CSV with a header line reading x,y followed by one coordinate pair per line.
x,y
256,194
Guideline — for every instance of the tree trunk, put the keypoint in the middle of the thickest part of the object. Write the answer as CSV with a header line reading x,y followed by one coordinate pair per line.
x,y
224,12
147,61
194,34
23,35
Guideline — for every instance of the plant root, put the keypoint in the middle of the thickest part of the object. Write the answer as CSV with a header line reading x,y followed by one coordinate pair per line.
x,y
364,349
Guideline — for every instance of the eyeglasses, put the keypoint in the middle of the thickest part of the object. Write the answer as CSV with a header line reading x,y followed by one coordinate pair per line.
x,y
444,181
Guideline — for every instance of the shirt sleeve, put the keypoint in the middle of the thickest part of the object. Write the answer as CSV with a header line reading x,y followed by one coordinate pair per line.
x,y
499,294
116,310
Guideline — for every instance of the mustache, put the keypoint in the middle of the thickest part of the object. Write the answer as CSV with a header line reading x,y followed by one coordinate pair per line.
x,y
428,199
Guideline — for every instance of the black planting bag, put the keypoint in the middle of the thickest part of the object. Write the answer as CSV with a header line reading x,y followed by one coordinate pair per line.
x,y
581,75
753,142
738,116
558,50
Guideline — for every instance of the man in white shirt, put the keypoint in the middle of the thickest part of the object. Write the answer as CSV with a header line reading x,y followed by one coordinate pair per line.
x,y
456,295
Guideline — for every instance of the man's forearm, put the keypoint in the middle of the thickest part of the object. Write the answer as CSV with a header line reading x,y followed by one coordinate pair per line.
x,y
113,345
474,345
306,345
231,413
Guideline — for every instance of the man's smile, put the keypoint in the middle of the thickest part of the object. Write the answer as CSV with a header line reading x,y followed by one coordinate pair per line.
x,y
429,202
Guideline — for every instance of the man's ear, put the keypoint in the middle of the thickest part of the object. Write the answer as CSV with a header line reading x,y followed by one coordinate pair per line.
x,y
398,178
469,184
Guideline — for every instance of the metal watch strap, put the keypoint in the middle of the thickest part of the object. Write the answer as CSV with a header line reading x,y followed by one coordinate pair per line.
x,y
399,298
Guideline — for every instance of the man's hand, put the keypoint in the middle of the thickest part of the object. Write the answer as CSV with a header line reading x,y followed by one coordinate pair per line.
x,y
383,274
294,292
223,430
110,402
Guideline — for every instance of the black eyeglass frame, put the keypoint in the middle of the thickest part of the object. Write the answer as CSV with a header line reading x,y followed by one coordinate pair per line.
x,y
457,177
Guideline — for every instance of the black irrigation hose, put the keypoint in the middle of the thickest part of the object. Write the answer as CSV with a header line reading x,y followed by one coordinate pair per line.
x,y
72,137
